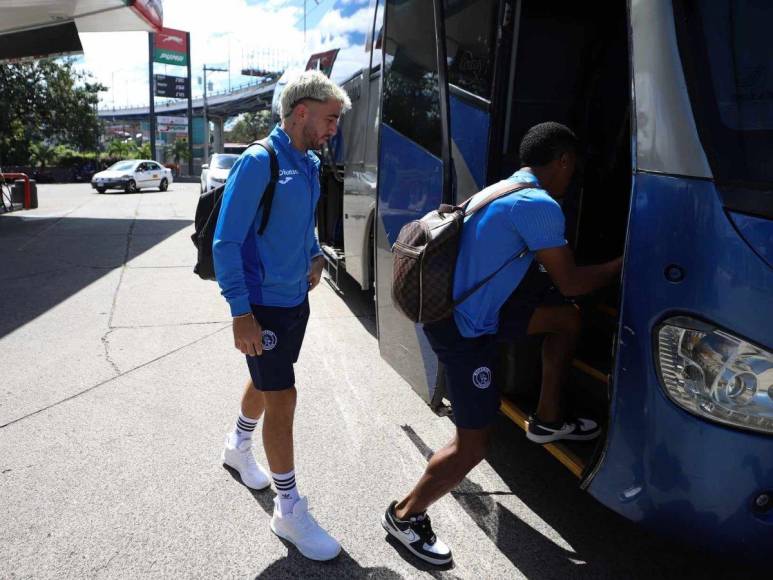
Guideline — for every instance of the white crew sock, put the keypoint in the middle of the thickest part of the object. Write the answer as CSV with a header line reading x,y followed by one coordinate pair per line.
x,y
286,491
244,428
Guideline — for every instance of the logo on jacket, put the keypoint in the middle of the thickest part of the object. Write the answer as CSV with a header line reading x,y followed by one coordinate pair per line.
x,y
287,175
481,378
269,340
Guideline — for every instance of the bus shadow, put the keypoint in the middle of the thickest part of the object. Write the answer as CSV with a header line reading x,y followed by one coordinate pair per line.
x,y
594,541
358,301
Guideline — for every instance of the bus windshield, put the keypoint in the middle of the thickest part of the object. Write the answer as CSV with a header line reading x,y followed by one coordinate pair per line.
x,y
728,58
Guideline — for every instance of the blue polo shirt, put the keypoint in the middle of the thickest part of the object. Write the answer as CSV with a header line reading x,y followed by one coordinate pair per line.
x,y
270,269
528,219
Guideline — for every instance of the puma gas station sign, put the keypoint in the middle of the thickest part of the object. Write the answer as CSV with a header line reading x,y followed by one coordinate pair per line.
x,y
171,47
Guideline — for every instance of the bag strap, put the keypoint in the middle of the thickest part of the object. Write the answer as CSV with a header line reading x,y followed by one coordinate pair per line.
x,y
498,191
268,194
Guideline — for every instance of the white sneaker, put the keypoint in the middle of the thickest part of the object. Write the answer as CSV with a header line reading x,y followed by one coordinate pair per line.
x,y
239,456
302,529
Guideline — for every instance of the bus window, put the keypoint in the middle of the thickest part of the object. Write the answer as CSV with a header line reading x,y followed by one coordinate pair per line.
x,y
411,99
728,60
470,28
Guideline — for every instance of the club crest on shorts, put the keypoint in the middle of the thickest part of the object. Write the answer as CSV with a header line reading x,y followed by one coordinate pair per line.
x,y
269,340
481,378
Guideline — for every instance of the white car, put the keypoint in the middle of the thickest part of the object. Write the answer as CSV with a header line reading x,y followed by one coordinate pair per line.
x,y
216,172
132,175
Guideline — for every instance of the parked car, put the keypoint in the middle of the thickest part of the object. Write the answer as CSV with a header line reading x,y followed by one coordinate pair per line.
x,y
216,172
132,175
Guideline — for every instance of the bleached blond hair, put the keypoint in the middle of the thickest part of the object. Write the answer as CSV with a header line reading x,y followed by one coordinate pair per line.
x,y
313,85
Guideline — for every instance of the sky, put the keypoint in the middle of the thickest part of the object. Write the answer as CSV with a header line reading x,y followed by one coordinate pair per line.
x,y
231,34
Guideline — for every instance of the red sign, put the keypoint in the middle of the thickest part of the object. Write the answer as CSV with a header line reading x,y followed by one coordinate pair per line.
x,y
322,61
171,39
149,10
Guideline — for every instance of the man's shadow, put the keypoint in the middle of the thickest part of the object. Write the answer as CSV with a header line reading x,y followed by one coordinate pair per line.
x,y
296,566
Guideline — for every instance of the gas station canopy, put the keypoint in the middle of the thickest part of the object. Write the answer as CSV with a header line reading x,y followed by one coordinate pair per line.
x,y
38,28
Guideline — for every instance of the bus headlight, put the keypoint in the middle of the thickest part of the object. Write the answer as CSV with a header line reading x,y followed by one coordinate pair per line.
x,y
715,375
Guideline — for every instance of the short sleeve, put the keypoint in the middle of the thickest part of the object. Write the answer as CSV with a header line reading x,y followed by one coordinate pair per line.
x,y
540,222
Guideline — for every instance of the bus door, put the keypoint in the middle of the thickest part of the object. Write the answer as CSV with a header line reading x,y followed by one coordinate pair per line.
x,y
413,170
568,62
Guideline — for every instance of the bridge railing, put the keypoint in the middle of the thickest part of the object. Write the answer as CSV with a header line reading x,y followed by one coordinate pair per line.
x,y
166,102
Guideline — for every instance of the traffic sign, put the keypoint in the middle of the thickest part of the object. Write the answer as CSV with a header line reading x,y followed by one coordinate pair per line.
x,y
169,86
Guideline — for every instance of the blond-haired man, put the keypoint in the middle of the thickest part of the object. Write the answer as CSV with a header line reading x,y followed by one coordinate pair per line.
x,y
266,277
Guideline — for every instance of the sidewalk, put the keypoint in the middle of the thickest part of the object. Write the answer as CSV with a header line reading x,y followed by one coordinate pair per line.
x,y
119,380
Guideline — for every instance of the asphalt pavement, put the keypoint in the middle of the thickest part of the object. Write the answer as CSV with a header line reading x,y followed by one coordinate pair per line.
x,y
119,380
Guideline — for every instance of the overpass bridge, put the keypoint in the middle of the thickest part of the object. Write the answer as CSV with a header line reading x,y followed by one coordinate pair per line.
x,y
248,98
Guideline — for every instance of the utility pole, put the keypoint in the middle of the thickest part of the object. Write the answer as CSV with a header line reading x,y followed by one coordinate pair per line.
x,y
152,107
190,106
206,118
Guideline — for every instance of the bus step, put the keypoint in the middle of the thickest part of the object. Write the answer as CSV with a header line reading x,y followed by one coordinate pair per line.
x,y
590,371
609,311
567,457
334,264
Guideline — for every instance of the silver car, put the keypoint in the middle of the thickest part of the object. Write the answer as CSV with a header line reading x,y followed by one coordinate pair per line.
x,y
216,172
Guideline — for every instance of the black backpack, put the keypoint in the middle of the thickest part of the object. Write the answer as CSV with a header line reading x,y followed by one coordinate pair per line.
x,y
208,210
424,258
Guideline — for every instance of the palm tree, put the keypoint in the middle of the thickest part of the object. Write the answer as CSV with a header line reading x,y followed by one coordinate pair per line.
x,y
41,154
118,149
179,151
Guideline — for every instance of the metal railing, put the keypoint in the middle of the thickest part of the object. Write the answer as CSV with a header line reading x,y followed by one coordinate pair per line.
x,y
167,102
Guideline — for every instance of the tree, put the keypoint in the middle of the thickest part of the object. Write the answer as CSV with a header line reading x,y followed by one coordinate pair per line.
x,y
47,100
42,154
250,127
128,149
118,149
179,151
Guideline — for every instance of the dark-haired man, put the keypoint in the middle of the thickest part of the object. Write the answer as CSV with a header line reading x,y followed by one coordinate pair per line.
x,y
517,301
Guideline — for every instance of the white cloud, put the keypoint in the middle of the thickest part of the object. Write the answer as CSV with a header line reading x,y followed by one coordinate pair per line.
x,y
247,35
263,34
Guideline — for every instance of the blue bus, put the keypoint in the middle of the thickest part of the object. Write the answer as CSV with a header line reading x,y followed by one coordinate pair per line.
x,y
673,103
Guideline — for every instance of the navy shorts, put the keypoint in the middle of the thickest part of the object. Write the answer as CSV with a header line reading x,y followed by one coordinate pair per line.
x,y
283,331
469,362
536,289
469,371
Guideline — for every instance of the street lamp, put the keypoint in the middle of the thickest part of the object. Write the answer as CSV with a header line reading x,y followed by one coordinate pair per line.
x,y
206,118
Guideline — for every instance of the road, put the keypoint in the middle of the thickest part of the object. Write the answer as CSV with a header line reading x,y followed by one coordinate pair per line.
x,y
119,380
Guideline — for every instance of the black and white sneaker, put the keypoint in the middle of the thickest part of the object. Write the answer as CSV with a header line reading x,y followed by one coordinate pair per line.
x,y
574,430
416,534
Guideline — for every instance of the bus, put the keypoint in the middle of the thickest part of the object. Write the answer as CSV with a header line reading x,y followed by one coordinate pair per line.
x,y
672,101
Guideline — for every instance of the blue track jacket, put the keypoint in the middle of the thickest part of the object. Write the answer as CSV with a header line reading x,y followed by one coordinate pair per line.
x,y
272,269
